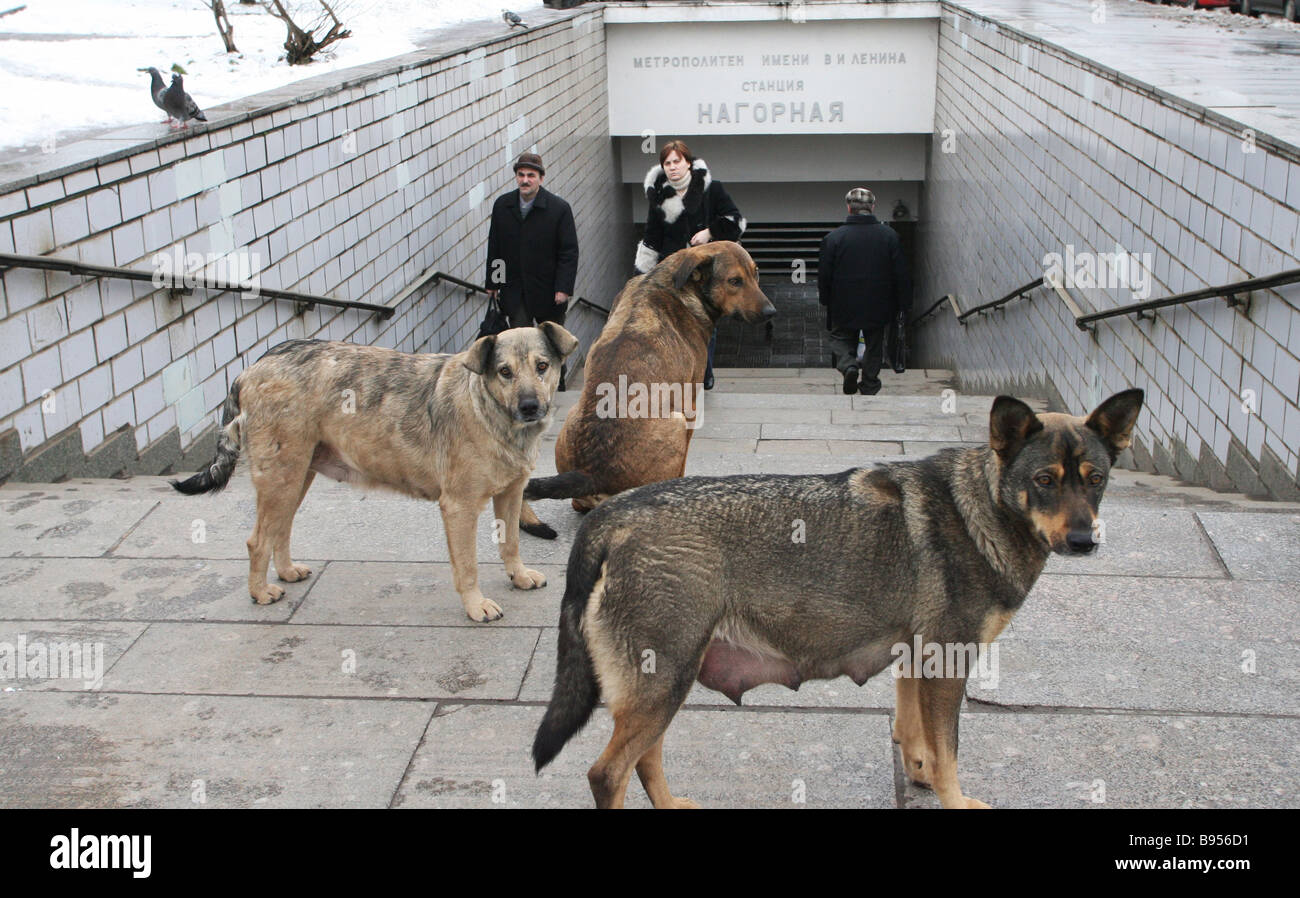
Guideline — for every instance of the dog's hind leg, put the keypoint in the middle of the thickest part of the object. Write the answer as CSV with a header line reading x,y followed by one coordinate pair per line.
x,y
284,565
279,486
650,769
636,733
909,734
939,702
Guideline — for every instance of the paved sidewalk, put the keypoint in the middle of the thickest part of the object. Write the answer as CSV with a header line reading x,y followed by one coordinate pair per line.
x,y
1163,672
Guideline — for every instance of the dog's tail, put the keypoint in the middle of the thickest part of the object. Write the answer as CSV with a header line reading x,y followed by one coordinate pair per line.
x,y
215,476
569,485
576,690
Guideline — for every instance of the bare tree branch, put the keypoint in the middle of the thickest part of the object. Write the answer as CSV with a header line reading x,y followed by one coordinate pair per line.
x,y
224,28
301,44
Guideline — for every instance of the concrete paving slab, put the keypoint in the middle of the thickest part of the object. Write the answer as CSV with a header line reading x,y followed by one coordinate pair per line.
x,y
796,447
1148,541
1256,546
890,433
63,656
904,416
719,431
289,660
335,523
789,388
133,589
1152,643
703,444
927,447
722,399
722,759
865,449
418,594
767,414
164,751
63,520
1087,760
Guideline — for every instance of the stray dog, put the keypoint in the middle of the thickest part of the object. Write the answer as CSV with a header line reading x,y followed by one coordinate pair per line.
x,y
458,429
653,348
704,571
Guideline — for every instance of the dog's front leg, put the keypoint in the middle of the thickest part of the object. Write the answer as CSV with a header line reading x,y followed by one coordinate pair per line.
x,y
506,506
459,519
939,702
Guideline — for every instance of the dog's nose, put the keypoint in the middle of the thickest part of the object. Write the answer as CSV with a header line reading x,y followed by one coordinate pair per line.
x,y
1080,542
528,407
769,311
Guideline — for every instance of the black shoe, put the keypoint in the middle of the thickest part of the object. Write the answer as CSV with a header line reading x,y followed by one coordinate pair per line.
x,y
868,391
560,389
850,379
708,380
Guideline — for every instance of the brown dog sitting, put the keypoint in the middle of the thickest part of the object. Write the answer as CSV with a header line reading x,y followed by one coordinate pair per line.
x,y
632,424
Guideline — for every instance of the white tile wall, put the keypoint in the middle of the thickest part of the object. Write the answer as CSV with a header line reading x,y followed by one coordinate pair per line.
x,y
1162,179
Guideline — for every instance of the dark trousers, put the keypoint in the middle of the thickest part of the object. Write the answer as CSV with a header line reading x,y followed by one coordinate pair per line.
x,y
844,344
518,314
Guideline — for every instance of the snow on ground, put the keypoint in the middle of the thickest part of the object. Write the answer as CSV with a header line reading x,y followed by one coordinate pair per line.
x,y
68,67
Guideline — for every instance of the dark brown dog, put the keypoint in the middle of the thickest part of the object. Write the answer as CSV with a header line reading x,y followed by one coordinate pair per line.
x,y
639,404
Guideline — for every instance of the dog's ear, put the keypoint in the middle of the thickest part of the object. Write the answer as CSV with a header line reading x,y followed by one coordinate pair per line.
x,y
479,356
563,341
693,264
1113,420
1011,423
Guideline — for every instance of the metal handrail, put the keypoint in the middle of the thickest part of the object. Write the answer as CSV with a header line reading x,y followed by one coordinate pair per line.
x,y
474,288
181,281
1225,291
1014,294
946,298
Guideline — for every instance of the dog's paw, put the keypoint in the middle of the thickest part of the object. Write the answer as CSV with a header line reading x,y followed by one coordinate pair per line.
x,y
916,771
976,803
685,804
294,573
526,579
267,594
483,610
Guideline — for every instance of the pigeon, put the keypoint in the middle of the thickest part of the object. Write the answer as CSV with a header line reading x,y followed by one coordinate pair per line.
x,y
179,105
512,19
156,88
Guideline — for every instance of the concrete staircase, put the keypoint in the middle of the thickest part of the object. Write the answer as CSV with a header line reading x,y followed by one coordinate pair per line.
x,y
1161,672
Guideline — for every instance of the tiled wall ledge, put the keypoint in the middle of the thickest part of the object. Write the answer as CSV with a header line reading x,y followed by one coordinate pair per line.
x,y
348,185
1049,153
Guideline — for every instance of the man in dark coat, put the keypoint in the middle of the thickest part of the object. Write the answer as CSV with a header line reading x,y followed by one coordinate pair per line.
x,y
532,258
863,281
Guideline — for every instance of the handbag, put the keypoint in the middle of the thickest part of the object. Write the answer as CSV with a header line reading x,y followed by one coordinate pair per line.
x,y
494,321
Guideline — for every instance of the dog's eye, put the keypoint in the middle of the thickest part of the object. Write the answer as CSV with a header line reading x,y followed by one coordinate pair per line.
x,y
735,282
542,366
1043,480
1095,478
505,372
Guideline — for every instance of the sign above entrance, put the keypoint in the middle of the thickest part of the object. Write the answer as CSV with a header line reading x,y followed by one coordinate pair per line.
x,y
874,76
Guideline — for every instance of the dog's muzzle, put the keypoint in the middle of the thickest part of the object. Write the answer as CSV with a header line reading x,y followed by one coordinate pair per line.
x,y
1079,542
529,410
